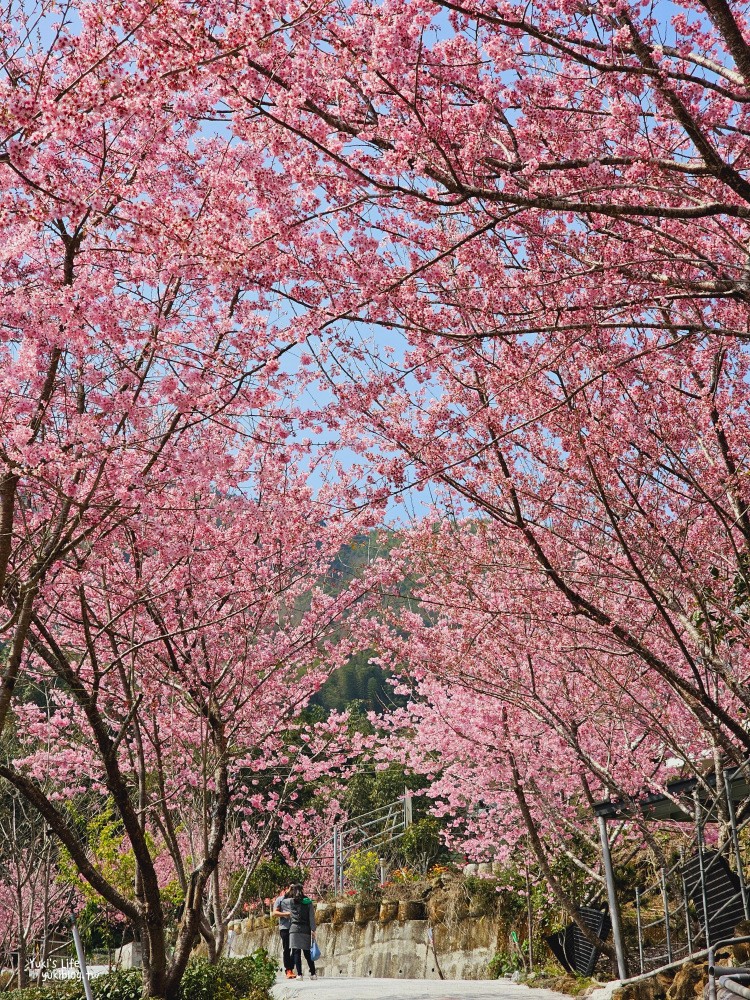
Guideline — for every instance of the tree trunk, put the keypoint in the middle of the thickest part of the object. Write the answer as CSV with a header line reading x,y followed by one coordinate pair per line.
x,y
154,952
565,901
23,977
187,936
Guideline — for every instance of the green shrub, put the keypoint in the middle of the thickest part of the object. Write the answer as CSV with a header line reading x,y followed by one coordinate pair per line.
x,y
71,989
248,978
363,871
231,979
482,892
121,985
504,964
124,984
421,844
256,972
204,982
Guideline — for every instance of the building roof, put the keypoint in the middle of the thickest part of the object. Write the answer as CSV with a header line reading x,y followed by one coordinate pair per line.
x,y
666,806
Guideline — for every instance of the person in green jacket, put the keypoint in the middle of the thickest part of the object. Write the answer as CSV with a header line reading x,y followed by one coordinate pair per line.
x,y
301,930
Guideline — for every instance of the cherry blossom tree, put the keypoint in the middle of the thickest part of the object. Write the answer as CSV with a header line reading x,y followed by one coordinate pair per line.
x,y
287,790
32,897
623,506
550,208
160,539
143,248
520,718
491,171
173,663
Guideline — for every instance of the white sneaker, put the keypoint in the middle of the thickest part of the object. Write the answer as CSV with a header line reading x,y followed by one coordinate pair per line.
x,y
314,976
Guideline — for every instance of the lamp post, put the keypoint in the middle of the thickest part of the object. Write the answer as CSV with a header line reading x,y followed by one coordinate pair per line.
x,y
81,959
614,909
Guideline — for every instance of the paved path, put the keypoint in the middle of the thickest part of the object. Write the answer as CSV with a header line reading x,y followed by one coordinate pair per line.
x,y
408,989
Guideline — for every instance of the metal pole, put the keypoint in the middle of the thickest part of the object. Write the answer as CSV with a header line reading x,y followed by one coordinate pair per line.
x,y
383,870
711,975
408,814
614,909
81,960
688,930
335,862
699,837
341,862
638,921
665,900
736,844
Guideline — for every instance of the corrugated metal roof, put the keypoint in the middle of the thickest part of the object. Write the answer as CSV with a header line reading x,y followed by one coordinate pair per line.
x,y
664,806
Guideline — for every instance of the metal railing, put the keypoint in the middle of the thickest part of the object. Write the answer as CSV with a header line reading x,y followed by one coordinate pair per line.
x,y
687,923
727,976
675,917
377,830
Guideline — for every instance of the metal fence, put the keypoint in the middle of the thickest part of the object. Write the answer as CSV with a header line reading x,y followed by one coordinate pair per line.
x,y
702,896
378,830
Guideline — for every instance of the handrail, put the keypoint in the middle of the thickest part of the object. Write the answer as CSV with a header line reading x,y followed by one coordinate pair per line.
x,y
678,907
726,848
711,951
381,826
734,987
379,809
692,957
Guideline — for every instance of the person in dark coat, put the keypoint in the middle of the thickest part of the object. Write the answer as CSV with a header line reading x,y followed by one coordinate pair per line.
x,y
301,930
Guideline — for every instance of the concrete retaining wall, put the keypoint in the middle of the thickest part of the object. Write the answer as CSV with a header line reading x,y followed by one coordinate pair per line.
x,y
388,943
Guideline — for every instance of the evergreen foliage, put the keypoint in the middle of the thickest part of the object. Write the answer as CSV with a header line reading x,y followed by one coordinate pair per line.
x,y
248,978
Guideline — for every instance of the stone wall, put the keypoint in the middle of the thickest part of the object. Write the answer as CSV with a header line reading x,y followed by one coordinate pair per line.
x,y
392,940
